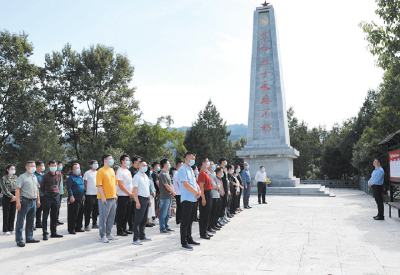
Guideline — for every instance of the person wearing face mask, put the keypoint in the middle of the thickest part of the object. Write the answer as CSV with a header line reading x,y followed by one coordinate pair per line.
x,y
247,185
225,186
76,196
59,169
213,217
152,213
231,206
7,187
166,194
28,198
190,192
106,183
156,179
240,188
205,200
261,178
141,194
134,169
177,189
40,167
125,196
50,186
196,172
91,208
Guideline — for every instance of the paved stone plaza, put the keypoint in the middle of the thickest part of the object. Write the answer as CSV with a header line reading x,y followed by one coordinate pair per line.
x,y
289,235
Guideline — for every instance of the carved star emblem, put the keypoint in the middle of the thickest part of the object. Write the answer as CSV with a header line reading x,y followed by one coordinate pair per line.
x,y
265,4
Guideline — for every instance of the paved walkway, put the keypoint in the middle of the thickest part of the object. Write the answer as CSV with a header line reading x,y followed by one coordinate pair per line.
x,y
289,235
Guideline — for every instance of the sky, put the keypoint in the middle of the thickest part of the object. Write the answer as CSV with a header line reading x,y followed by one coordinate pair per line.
x,y
186,52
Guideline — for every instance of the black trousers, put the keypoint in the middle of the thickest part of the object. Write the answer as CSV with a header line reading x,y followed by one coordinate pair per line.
x,y
262,189
91,209
131,218
223,205
59,206
233,200
75,215
178,213
215,211
39,213
9,209
204,212
50,205
228,203
139,225
188,214
123,212
377,191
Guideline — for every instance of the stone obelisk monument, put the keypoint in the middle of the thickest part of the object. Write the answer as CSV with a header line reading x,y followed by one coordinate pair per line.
x,y
268,141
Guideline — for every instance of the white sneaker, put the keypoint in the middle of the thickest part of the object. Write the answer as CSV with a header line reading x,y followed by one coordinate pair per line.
x,y
156,222
104,239
137,242
6,233
111,237
12,232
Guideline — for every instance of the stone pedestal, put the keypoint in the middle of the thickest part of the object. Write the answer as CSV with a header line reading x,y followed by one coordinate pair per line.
x,y
268,141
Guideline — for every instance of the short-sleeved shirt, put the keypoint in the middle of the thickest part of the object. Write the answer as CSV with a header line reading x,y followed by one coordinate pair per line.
x,y
28,185
165,179
141,181
156,178
176,184
108,180
90,177
205,178
185,173
126,177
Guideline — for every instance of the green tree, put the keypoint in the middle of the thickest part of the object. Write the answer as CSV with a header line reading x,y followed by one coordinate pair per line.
x,y
208,136
83,89
384,40
309,143
20,101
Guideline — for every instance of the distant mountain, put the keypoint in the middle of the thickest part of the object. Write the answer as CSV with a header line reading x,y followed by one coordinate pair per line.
x,y
237,130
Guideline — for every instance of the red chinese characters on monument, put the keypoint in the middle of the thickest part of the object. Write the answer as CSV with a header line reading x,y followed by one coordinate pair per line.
x,y
265,114
264,74
265,87
264,36
264,62
264,48
266,126
265,100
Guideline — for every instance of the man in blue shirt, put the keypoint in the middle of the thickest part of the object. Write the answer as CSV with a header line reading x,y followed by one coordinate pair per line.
x,y
247,185
376,182
76,196
190,192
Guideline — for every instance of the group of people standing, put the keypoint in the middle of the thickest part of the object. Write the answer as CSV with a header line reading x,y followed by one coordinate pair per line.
x,y
131,195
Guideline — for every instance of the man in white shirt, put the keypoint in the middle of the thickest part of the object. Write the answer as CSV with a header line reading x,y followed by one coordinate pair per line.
x,y
177,190
261,178
91,204
125,195
141,193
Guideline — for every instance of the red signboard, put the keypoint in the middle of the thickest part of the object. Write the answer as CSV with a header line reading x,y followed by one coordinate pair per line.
x,y
394,161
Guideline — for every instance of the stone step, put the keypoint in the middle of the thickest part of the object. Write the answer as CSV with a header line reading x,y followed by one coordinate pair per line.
x,y
302,190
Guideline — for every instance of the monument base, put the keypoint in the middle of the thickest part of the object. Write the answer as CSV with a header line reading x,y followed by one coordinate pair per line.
x,y
278,163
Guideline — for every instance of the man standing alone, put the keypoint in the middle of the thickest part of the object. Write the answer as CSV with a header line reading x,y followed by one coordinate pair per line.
x,y
261,178
376,182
